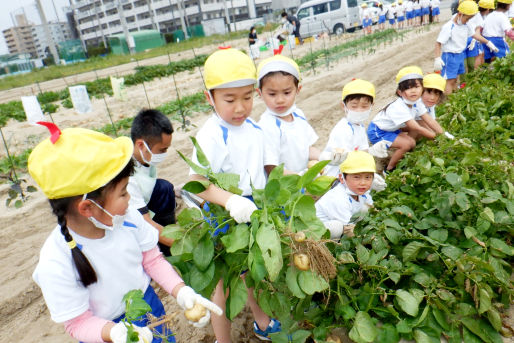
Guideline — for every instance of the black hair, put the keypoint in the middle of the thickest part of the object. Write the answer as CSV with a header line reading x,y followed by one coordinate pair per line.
x,y
285,73
351,97
502,6
433,90
481,9
283,14
149,125
60,207
408,84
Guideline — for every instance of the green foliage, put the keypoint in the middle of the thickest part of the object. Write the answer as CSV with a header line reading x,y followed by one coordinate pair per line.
x,y
135,307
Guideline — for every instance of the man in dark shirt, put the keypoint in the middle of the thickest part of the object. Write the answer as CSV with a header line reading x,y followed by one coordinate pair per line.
x,y
296,24
252,36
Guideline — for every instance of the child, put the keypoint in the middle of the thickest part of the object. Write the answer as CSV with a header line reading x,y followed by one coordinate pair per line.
x,y
409,12
365,17
390,14
451,43
233,143
381,16
349,134
496,28
400,14
101,247
425,11
434,4
288,137
433,89
151,134
416,7
484,7
350,197
396,123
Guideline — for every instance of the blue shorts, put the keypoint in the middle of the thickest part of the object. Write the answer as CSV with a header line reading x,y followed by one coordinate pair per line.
x,y
367,22
391,21
375,134
401,18
435,11
409,14
425,11
417,13
500,44
475,51
453,65
381,19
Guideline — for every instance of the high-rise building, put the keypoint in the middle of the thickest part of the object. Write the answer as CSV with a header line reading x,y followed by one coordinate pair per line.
x,y
19,38
60,32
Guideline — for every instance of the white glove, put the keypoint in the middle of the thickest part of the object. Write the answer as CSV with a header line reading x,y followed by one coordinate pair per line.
x,y
492,47
380,149
240,208
336,158
118,333
348,230
472,44
187,298
449,135
378,183
438,64
335,227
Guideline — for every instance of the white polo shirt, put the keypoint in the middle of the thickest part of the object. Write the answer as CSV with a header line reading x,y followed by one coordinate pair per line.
x,y
408,6
424,3
287,142
453,37
141,185
234,149
476,21
397,114
495,24
116,258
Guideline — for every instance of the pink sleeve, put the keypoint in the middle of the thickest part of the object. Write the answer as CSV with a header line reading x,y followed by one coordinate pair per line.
x,y
86,327
510,33
160,270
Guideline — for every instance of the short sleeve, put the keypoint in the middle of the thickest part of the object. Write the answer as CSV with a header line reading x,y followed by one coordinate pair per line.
x,y
334,205
398,114
505,24
311,134
271,130
136,197
215,153
444,35
146,235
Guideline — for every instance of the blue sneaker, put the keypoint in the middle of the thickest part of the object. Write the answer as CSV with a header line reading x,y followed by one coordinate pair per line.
x,y
273,326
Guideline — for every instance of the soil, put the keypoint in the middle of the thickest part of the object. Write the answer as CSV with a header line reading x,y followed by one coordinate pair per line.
x,y
23,313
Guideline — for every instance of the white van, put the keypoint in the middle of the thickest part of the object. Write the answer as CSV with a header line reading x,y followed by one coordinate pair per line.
x,y
333,16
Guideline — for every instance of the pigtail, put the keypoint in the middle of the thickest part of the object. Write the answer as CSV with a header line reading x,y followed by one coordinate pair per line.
x,y
86,272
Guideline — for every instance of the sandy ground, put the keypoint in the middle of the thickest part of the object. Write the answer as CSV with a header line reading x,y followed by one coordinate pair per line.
x,y
23,314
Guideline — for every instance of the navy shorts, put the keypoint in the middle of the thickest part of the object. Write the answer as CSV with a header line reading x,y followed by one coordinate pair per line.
x,y
376,134
453,65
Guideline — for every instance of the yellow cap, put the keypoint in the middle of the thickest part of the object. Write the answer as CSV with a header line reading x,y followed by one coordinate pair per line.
x,y
358,162
393,4
505,1
364,4
358,86
409,73
80,161
400,2
277,63
228,68
434,81
468,8
488,4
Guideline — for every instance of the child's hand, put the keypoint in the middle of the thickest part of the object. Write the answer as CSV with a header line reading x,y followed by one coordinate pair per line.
x,y
472,44
492,47
240,208
118,333
438,64
348,230
336,157
187,298
335,227
380,149
378,183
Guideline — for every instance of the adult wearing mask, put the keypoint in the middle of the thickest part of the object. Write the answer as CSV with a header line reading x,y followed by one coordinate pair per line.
x,y
296,25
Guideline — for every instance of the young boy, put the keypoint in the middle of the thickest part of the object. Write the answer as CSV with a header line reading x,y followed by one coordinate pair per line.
x,y
233,143
450,45
476,23
151,134
349,134
350,197
496,27
288,136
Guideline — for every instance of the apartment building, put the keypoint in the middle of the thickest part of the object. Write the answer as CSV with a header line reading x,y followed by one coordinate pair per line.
x,y
96,19
19,38
60,32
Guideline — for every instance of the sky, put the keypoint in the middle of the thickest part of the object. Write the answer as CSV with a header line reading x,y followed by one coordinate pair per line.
x,y
17,6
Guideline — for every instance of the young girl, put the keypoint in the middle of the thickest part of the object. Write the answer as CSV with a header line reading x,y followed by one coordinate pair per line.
x,y
433,89
400,13
496,28
409,12
434,4
100,249
476,42
391,10
425,11
396,122
288,136
416,7
381,16
365,16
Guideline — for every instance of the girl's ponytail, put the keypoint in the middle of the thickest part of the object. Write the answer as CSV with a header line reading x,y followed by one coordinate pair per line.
x,y
86,272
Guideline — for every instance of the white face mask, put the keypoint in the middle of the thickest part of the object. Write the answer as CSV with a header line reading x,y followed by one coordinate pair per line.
x,y
285,113
155,159
356,117
408,102
283,19
117,220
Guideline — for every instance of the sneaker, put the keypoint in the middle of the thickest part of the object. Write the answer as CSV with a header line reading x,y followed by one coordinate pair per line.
x,y
273,326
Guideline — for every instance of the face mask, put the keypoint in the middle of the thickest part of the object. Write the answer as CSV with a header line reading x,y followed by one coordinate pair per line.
x,y
349,191
117,220
285,113
459,20
155,159
283,19
356,117
408,102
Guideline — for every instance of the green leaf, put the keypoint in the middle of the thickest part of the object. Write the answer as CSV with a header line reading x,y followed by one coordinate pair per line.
x,y
411,250
362,254
31,189
469,232
272,190
305,209
423,279
440,317
500,245
487,214
482,329
18,204
173,231
453,179
363,329
135,305
311,282
269,242
312,173
462,200
393,235
196,168
196,187
256,263
452,252
320,185
388,334
468,337
276,173
346,257
485,301
407,302
200,279
495,319
237,239
440,235
292,282
422,337
203,252
228,182
236,298
199,153
300,336
188,215
394,276
445,295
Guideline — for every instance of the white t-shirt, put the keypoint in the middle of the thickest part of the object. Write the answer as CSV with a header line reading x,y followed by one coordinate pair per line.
x,y
510,14
338,204
141,185
400,10
116,258
453,37
287,142
424,3
416,5
397,114
495,24
348,136
384,10
234,149
434,3
365,13
408,6
476,21
390,12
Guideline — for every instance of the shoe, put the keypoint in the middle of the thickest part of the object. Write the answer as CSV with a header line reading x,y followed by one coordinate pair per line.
x,y
273,326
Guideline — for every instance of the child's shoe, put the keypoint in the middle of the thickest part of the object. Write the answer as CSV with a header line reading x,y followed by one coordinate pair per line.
x,y
273,326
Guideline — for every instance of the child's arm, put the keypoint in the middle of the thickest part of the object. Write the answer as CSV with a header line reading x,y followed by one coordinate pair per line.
x,y
314,153
432,123
438,61
414,127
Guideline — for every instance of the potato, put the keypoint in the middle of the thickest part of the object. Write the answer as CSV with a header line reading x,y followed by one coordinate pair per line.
x,y
312,163
334,339
301,261
196,313
299,236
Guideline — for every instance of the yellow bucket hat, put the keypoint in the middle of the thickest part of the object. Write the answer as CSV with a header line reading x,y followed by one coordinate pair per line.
x,y
358,162
487,4
505,1
434,81
409,73
77,161
277,63
358,86
228,68
468,7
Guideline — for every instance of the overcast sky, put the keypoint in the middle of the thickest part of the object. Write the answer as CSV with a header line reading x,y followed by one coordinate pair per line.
x,y
17,6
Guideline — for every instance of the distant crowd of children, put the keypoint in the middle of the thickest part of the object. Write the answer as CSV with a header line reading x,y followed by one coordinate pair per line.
x,y
111,207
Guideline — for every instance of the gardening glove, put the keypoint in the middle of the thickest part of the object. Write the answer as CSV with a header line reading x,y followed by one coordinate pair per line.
x,y
492,47
335,157
378,183
240,208
380,149
449,135
348,230
187,298
472,44
335,227
118,333
438,64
